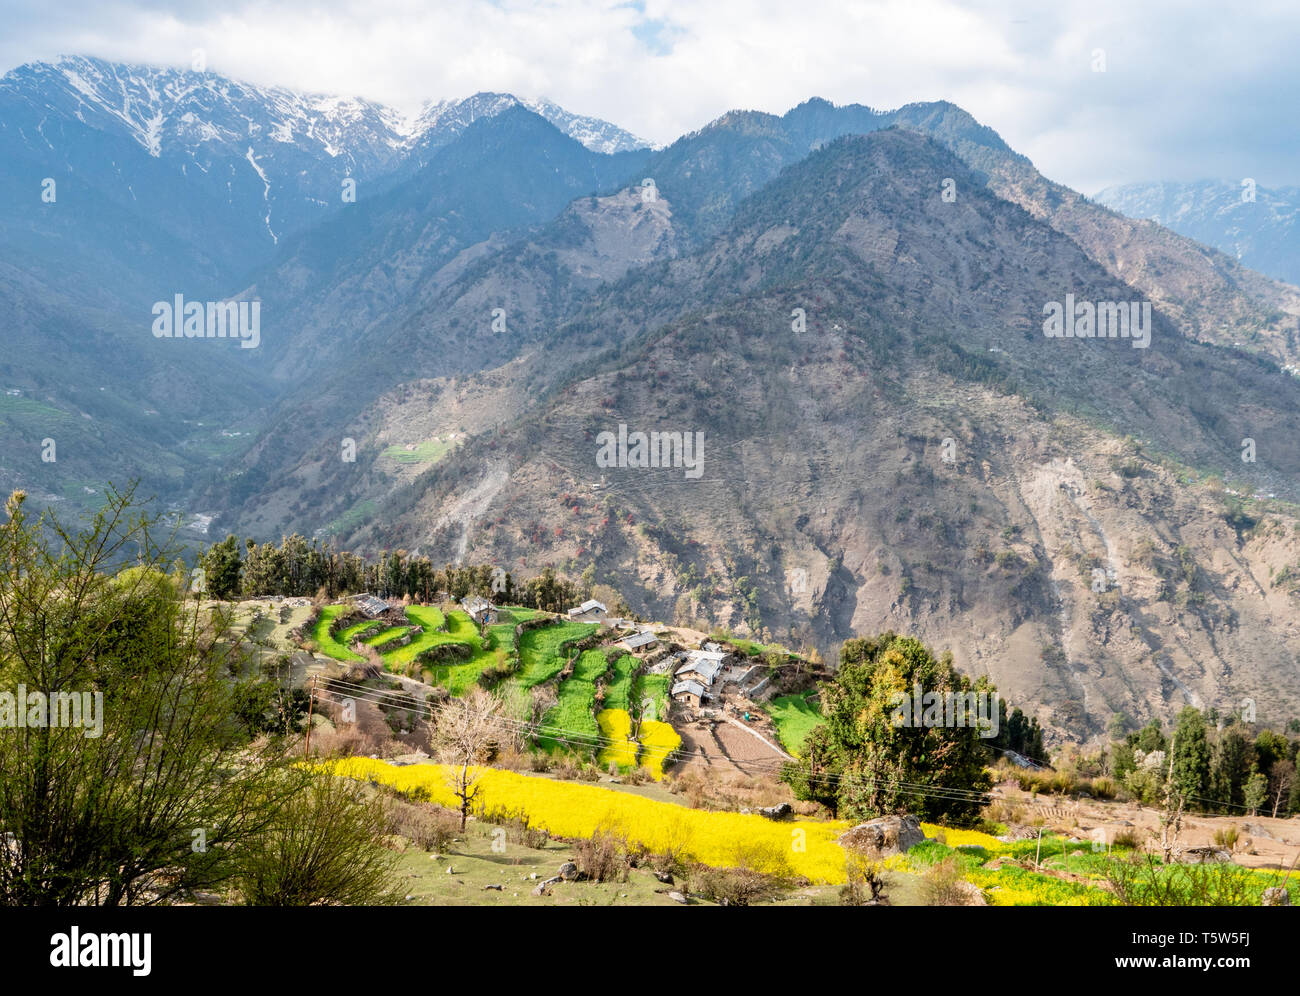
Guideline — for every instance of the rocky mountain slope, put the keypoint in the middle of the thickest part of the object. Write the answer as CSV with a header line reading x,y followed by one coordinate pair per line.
x,y
917,455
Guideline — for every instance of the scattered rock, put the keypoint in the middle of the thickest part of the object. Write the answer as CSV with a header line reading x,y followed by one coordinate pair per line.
x,y
540,890
1276,896
496,887
973,895
665,877
1018,831
678,897
884,836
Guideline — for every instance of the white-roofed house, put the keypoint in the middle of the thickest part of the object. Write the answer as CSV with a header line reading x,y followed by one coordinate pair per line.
x,y
703,666
638,641
690,692
588,608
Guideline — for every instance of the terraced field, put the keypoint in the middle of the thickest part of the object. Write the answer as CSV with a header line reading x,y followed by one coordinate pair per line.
x,y
650,691
460,628
574,710
618,693
575,722
346,636
320,634
386,634
539,651
620,749
658,741
458,677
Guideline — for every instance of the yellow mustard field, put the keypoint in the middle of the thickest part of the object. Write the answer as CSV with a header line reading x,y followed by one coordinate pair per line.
x,y
658,740
616,725
963,838
569,809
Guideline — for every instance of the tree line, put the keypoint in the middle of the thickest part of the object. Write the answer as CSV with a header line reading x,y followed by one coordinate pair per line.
x,y
298,568
1217,763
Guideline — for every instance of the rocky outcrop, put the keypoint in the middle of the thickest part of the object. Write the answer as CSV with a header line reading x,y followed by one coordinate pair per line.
x,y
884,836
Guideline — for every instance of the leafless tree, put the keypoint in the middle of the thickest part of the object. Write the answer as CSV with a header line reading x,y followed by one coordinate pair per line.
x,y
462,736
1280,780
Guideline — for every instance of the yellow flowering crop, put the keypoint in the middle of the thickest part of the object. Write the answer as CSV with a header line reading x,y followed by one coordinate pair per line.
x,y
577,810
616,726
658,740
964,838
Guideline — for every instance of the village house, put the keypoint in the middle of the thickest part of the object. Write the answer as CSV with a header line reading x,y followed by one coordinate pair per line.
x,y
479,609
689,693
369,605
638,641
702,666
588,608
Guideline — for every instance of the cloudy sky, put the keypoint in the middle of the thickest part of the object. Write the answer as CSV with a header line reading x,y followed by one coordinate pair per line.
x,y
1094,91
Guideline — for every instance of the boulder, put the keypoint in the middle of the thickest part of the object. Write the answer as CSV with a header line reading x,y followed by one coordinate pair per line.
x,y
1201,855
665,877
1276,896
677,897
776,812
569,872
884,836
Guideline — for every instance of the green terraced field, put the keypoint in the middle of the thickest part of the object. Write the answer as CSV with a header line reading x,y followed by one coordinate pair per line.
x,y
539,650
650,693
347,635
574,709
618,693
320,634
457,677
384,635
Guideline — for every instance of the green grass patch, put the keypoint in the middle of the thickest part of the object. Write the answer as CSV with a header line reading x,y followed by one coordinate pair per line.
x,y
429,451
353,517
795,717
650,693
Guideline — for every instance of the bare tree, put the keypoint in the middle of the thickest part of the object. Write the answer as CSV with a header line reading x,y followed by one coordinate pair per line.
x,y
1280,780
462,736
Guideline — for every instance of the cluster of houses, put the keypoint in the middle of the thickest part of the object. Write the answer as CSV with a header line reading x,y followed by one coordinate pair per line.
x,y
696,672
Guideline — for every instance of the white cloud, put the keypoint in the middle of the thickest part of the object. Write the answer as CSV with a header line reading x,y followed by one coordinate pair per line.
x,y
1186,92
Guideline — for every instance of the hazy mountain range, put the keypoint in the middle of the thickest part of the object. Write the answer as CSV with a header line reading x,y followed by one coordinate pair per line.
x,y
1258,226
846,306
